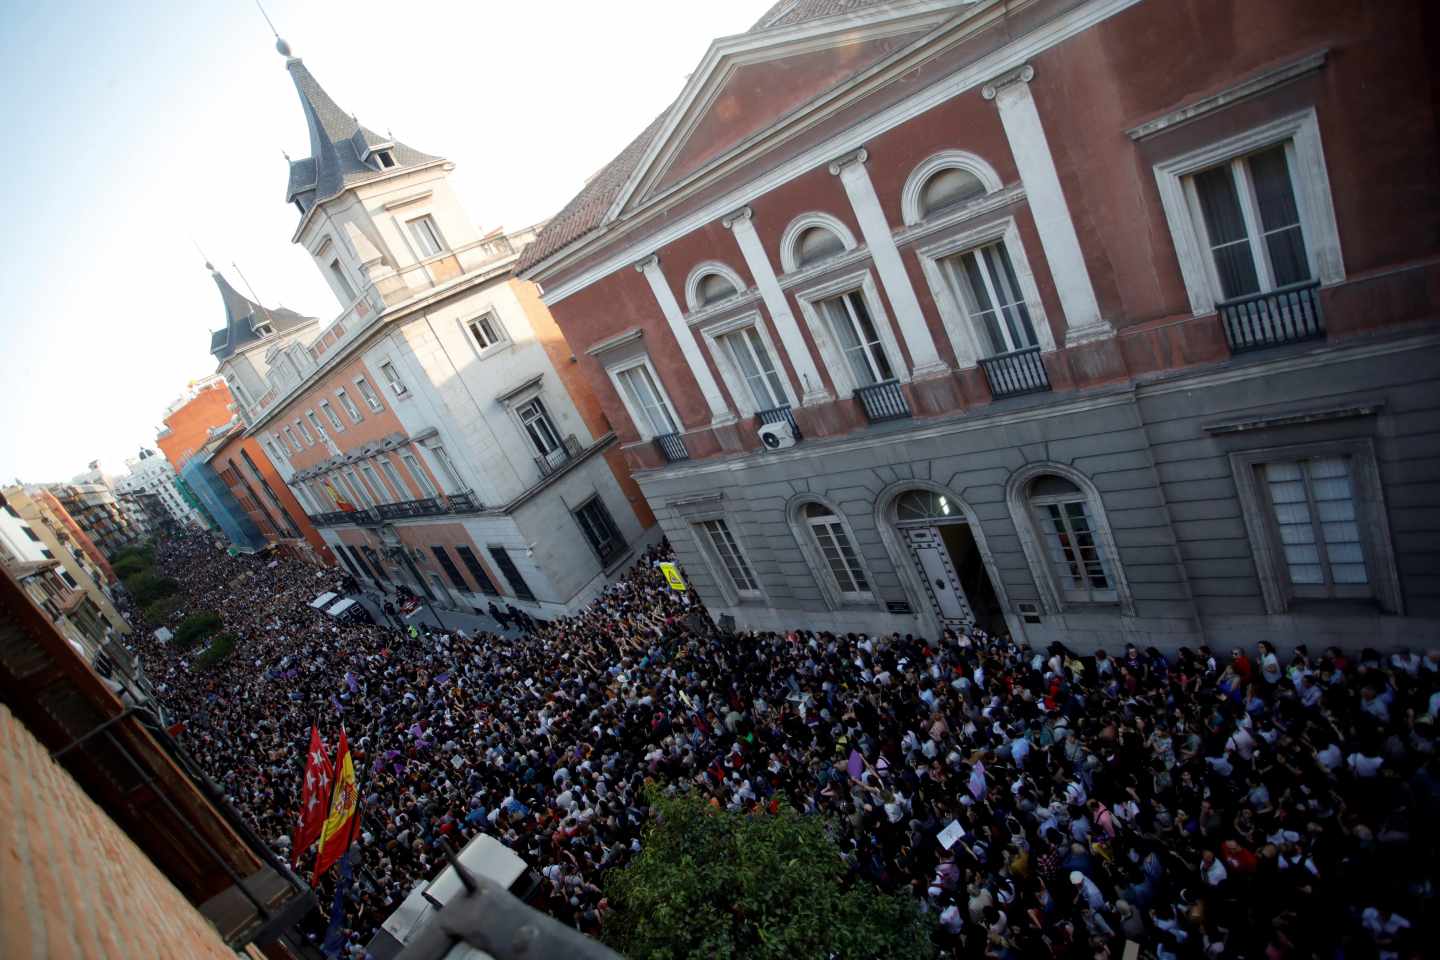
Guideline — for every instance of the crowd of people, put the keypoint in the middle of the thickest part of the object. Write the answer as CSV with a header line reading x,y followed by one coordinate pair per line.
x,y
1034,802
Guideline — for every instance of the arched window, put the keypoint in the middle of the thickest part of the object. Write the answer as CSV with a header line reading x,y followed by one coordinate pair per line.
x,y
834,547
1067,527
945,181
817,244
924,505
713,288
948,188
812,238
711,282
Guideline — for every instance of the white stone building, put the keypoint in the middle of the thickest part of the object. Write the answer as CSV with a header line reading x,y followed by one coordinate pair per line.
x,y
151,475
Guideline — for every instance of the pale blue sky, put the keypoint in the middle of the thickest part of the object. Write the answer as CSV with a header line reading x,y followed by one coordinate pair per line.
x,y
132,129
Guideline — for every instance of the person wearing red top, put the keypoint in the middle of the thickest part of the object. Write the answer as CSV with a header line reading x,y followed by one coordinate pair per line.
x,y
1242,665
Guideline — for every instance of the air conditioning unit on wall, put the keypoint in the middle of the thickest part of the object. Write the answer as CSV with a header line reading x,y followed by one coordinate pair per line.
x,y
777,436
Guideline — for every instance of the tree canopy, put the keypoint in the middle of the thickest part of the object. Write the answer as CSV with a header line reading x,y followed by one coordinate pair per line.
x,y
712,883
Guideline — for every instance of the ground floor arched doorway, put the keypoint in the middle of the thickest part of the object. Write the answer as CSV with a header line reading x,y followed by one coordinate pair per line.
x,y
948,561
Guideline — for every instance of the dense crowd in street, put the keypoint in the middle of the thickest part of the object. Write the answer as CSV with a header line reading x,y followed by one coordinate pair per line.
x,y
1036,802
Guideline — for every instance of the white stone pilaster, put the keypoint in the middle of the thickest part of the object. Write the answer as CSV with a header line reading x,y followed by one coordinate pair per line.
x,y
886,257
719,412
812,387
1011,93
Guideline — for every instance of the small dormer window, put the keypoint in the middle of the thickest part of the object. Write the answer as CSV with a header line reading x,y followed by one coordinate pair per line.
x,y
262,327
385,159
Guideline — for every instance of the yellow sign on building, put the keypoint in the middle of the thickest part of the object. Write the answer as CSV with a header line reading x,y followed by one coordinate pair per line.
x,y
672,576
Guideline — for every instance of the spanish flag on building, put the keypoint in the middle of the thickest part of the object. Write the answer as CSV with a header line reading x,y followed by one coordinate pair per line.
x,y
343,823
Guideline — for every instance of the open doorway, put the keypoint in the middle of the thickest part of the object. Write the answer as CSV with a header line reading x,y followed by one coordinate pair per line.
x,y
948,561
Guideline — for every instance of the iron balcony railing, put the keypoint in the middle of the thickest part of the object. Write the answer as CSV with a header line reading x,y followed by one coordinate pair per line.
x,y
780,414
330,519
1016,373
672,447
1284,315
407,509
552,461
464,502
883,401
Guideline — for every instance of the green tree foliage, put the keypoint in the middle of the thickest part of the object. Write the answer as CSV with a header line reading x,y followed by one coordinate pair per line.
x,y
158,614
146,587
129,565
195,627
220,648
710,883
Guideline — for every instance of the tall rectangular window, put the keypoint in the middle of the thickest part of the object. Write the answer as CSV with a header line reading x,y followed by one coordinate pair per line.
x,y
839,554
600,530
422,479
402,492
984,282
477,572
367,392
451,472
363,498
1252,223
331,415
1312,504
305,431
392,377
647,400
347,292
448,565
1067,526
368,472
374,559
727,551
747,351
349,405
427,236
511,573
290,436
535,420
849,318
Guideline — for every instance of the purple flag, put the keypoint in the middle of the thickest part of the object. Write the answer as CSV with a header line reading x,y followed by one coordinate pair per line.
x,y
415,730
442,678
350,681
856,764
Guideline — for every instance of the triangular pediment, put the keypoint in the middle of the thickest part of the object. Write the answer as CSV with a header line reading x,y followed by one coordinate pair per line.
x,y
750,85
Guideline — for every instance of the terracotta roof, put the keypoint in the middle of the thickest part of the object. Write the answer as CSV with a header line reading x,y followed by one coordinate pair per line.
x,y
584,213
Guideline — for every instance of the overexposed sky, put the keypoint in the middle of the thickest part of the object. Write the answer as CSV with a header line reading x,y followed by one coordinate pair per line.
x,y
136,131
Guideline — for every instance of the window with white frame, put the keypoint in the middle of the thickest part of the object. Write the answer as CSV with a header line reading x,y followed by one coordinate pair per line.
x,y
535,421
984,282
315,422
949,187
815,244
367,393
843,562
392,377
722,544
337,272
849,320
1066,526
427,236
648,404
290,437
1251,223
422,479
448,470
713,288
349,405
1252,213
363,498
402,492
305,433
486,331
368,472
600,530
330,415
746,350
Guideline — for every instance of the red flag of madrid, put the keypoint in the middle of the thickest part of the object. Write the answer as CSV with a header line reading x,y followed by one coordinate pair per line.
x,y
314,797
343,821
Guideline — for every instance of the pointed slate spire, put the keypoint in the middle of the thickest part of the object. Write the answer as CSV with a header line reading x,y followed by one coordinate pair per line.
x,y
242,316
342,152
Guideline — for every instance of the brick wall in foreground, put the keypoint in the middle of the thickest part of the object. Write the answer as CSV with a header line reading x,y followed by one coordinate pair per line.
x,y
74,883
